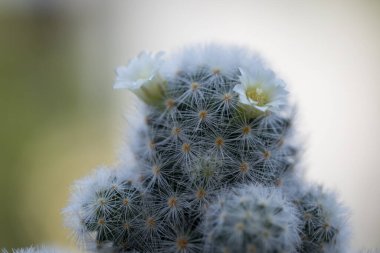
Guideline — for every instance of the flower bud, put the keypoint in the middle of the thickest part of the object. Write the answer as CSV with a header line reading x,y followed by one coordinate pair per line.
x,y
142,77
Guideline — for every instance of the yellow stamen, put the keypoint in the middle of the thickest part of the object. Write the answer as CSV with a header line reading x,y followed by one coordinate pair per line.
x,y
258,95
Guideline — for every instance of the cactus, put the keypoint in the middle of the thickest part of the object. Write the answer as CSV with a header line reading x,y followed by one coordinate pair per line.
x,y
213,165
252,219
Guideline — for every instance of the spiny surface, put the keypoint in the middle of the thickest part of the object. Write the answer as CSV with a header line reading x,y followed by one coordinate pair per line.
x,y
210,164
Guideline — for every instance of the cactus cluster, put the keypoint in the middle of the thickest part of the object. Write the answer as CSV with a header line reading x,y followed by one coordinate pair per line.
x,y
212,165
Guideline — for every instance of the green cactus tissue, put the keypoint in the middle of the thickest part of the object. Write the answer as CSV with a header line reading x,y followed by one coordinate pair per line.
x,y
210,165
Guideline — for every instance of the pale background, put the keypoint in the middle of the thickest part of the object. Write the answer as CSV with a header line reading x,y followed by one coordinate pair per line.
x,y
60,117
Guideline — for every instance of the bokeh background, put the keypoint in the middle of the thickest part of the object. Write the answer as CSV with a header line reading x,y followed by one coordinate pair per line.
x,y
60,116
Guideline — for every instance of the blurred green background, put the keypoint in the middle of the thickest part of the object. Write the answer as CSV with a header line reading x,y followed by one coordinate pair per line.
x,y
55,102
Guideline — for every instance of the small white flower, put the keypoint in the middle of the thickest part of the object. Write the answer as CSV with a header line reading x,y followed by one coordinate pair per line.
x,y
260,89
142,77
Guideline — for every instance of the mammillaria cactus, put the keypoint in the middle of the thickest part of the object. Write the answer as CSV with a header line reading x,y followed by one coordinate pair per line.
x,y
214,165
252,219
